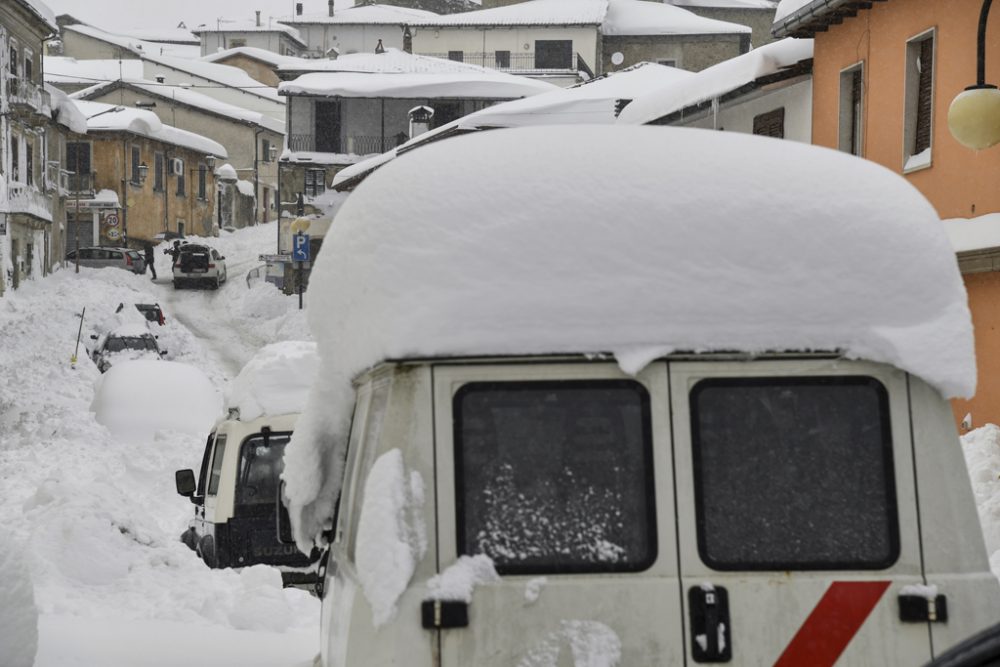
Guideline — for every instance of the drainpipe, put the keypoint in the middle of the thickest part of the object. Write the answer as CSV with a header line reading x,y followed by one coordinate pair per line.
x,y
258,17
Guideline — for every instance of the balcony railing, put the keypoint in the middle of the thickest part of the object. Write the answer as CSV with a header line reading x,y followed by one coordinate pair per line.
x,y
355,144
301,142
21,92
82,183
516,61
28,199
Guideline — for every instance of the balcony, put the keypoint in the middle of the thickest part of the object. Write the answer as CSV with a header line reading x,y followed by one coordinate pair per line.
x,y
24,94
30,200
357,144
71,183
518,62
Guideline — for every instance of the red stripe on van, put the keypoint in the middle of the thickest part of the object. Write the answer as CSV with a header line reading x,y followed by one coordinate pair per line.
x,y
837,617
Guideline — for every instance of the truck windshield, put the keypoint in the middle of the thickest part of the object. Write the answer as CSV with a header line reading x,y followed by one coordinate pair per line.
x,y
260,466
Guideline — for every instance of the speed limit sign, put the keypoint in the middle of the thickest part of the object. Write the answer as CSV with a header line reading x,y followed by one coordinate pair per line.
x,y
111,220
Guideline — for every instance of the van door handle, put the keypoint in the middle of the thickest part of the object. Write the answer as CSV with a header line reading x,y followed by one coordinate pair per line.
x,y
710,628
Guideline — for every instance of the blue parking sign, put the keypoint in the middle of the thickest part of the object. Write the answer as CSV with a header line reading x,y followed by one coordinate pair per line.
x,y
300,248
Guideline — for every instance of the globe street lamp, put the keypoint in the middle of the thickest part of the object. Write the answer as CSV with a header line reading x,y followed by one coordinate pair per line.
x,y
974,115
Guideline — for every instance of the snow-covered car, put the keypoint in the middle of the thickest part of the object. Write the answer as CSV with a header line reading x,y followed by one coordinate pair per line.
x,y
198,265
582,403
130,341
235,491
151,311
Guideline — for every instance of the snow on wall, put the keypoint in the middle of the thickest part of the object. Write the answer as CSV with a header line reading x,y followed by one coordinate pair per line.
x,y
276,381
391,535
588,240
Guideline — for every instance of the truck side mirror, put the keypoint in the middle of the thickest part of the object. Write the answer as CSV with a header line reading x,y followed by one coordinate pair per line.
x,y
284,522
93,336
185,482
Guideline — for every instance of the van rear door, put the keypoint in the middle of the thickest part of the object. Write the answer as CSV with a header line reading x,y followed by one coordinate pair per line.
x,y
550,469
797,517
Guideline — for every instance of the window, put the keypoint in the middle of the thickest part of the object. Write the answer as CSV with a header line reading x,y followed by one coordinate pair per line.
x,y
136,155
919,101
668,62
553,54
457,56
260,468
202,174
158,171
770,124
13,60
315,182
29,64
203,472
265,150
216,474
29,163
852,110
555,477
237,43
794,474
180,177
15,164
502,59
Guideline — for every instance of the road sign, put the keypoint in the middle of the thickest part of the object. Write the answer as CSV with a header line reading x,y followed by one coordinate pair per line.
x,y
300,248
111,220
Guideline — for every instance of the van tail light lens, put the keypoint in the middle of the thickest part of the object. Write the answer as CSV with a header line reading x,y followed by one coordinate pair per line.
x,y
128,259
211,266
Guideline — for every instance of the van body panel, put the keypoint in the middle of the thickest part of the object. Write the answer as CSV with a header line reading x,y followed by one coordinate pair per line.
x,y
955,556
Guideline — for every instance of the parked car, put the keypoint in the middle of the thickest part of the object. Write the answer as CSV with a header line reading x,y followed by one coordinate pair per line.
x,y
151,311
647,412
125,342
198,265
99,257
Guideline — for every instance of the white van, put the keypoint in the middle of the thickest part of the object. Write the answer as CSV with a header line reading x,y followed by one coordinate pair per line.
x,y
671,412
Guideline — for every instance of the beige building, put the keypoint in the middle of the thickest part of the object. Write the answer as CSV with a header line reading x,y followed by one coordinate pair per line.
x,y
261,34
252,140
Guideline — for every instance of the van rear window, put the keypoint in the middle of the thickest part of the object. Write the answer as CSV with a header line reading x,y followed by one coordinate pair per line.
x,y
260,469
794,474
555,477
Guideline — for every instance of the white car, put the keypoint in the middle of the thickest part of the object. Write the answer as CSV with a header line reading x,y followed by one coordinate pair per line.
x,y
198,265
130,341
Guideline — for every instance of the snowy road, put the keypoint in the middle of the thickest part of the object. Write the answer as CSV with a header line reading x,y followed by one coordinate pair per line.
x,y
95,515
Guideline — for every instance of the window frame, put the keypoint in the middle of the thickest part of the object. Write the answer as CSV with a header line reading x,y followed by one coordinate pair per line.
x,y
215,470
912,103
135,159
202,182
242,470
763,123
181,185
888,462
851,132
159,169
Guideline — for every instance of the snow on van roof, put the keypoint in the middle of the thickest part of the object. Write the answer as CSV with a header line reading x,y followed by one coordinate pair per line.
x,y
641,17
717,80
275,382
637,241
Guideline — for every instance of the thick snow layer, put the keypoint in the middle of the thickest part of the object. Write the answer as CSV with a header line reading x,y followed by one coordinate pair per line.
x,y
717,80
139,397
379,14
276,381
459,580
62,69
246,188
637,255
134,44
103,117
576,643
532,12
226,171
728,4
18,615
393,61
641,17
969,234
788,7
466,85
982,457
391,535
65,112
43,12
233,25
269,57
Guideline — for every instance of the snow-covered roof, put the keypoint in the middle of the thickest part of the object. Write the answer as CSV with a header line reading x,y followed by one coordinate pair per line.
x,y
532,12
60,69
717,80
65,112
971,234
275,381
133,44
187,97
727,4
404,75
641,17
229,25
804,18
788,7
590,102
263,55
42,11
165,35
146,124
365,15
633,240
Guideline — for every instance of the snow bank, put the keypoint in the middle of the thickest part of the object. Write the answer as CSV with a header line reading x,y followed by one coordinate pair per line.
x,y
276,381
391,534
982,457
18,615
597,243
145,395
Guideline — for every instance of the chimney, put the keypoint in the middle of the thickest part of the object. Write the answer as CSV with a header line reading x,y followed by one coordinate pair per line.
x,y
258,18
379,48
407,39
329,7
161,79
298,9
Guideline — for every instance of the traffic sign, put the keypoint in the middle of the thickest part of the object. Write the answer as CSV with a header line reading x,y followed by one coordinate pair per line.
x,y
300,248
111,220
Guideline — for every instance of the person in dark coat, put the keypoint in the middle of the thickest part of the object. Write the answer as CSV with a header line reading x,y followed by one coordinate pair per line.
x,y
147,249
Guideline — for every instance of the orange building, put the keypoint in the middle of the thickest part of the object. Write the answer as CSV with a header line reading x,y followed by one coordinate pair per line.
x,y
885,74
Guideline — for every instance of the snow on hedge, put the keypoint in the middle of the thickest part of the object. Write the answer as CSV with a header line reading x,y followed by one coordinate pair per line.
x,y
276,381
632,240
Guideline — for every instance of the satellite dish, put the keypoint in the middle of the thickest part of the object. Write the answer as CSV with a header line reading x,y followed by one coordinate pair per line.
x,y
617,58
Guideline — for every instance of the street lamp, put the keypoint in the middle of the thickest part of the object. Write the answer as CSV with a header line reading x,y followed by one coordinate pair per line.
x,y
974,114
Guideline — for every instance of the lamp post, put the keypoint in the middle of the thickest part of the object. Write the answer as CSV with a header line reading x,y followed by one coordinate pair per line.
x,y
974,114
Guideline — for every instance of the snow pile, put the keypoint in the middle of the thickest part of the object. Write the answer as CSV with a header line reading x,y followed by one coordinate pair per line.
x,y
736,243
226,171
982,457
969,234
145,395
461,578
276,381
18,616
590,643
641,17
391,534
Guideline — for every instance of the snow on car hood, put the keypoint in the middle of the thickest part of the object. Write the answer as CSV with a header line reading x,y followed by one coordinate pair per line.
x,y
632,240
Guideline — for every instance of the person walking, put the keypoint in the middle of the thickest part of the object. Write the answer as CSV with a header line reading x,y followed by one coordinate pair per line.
x,y
147,249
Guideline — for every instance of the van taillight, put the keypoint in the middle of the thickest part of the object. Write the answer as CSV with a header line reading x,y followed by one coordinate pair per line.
x,y
128,259
211,266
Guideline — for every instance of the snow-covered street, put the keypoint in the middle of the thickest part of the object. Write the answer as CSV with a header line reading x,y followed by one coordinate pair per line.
x,y
95,517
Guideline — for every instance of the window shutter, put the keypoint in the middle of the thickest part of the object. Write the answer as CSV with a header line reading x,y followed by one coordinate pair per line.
x,y
770,124
922,136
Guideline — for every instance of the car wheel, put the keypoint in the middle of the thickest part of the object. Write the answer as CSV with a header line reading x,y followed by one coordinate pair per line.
x,y
177,284
215,283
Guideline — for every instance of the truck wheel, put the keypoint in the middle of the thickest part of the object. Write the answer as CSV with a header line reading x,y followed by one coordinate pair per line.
x,y
206,549
190,538
177,284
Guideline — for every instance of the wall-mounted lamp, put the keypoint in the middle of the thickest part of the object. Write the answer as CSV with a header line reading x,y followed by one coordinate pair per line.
x,y
974,114
143,173
210,161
